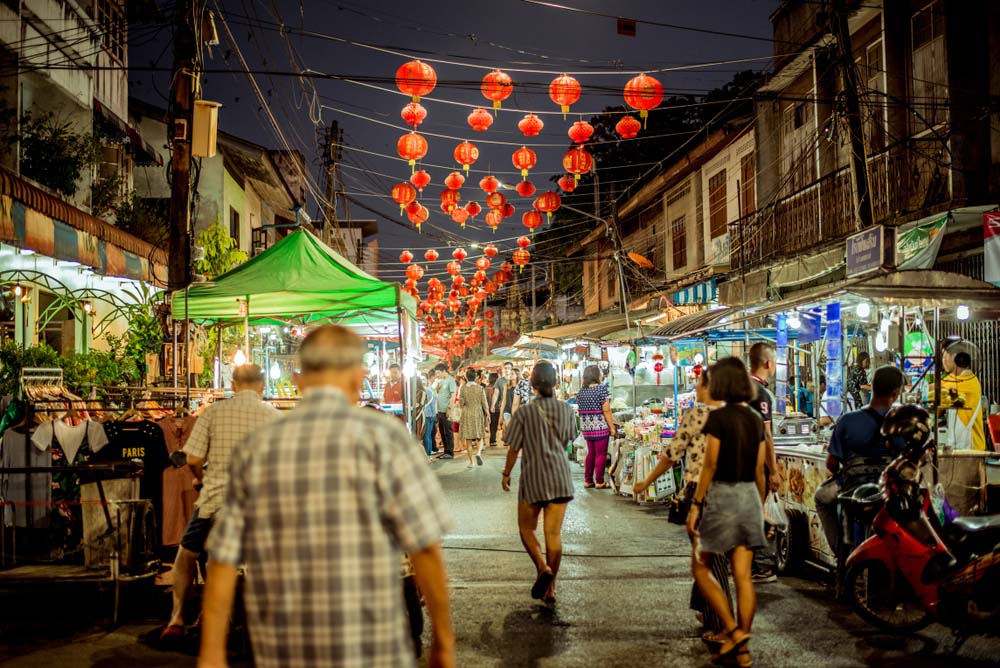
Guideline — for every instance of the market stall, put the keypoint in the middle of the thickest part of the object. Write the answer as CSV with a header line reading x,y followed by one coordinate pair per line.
x,y
302,282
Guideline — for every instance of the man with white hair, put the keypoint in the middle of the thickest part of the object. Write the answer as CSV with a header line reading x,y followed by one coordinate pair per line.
x,y
320,508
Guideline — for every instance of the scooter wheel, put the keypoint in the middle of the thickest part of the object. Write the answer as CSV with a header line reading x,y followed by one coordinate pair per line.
x,y
886,602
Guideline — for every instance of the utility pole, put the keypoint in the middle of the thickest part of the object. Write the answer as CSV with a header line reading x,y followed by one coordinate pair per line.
x,y
859,158
331,159
534,293
185,79
552,294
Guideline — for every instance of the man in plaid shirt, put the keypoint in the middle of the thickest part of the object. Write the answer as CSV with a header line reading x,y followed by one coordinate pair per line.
x,y
219,431
320,507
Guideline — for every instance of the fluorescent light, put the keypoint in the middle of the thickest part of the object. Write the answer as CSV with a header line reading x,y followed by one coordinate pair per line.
x,y
67,263
962,312
275,371
793,320
239,359
26,251
863,309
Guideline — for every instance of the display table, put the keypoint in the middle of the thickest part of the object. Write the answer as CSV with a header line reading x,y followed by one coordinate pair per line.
x,y
803,470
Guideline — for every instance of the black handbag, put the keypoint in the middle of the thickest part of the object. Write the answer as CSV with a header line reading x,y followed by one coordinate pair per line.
x,y
680,505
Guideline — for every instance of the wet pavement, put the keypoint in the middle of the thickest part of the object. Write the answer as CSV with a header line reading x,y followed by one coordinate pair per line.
x,y
622,601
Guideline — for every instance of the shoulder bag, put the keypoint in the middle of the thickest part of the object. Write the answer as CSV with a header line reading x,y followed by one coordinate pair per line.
x,y
454,410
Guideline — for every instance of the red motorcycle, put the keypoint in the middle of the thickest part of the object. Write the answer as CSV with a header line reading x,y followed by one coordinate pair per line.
x,y
912,571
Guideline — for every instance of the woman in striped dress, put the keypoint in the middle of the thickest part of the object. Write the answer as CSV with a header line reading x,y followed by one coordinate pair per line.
x,y
542,429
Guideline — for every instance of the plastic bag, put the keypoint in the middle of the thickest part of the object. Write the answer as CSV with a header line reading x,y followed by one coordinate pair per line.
x,y
774,513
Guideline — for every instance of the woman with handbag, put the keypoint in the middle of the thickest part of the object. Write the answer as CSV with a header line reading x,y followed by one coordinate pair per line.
x,y
542,428
688,444
475,414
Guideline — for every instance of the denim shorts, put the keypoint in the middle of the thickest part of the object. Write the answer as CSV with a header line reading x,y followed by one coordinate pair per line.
x,y
732,516
196,533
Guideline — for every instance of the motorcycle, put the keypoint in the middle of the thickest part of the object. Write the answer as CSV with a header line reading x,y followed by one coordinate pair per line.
x,y
913,571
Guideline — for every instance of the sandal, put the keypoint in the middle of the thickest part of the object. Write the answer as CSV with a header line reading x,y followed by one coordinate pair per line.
x,y
541,585
172,632
602,485
588,485
714,637
746,663
731,645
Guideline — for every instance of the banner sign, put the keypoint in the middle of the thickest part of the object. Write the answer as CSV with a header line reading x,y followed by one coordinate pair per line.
x,y
869,251
991,247
917,247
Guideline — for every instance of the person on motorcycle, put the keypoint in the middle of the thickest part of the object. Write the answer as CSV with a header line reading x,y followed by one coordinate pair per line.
x,y
857,439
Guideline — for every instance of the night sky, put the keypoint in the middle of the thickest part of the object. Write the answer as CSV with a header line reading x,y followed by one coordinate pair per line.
x,y
508,34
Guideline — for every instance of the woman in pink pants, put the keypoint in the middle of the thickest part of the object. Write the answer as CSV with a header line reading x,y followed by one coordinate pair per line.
x,y
594,402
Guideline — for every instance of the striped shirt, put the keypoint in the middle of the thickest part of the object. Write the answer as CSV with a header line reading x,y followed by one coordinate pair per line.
x,y
542,429
320,507
217,433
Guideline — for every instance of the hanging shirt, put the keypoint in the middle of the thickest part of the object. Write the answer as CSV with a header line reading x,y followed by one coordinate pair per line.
x,y
19,489
70,437
143,440
179,494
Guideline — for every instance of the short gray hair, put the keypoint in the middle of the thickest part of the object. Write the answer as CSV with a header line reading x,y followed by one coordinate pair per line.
x,y
248,374
331,348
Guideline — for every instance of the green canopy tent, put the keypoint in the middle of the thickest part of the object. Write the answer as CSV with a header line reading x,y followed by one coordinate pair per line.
x,y
300,280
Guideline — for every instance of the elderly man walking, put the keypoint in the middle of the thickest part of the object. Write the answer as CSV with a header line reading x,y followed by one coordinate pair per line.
x,y
222,429
320,508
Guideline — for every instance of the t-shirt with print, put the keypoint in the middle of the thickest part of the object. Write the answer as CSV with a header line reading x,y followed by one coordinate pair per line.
x,y
689,442
763,401
740,432
523,390
142,440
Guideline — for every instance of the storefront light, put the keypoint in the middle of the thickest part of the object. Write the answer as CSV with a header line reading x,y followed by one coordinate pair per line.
x,y
863,310
881,341
239,359
793,320
88,308
962,312
275,371
26,251
409,369
18,290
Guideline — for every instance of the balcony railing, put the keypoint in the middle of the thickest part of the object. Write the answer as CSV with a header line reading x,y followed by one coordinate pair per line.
x,y
905,178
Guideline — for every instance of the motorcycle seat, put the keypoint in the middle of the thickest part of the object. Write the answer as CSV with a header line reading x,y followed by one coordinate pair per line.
x,y
968,536
987,524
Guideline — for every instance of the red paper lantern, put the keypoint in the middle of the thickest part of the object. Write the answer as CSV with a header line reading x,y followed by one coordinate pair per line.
x,y
420,179
490,250
564,91
466,153
457,279
567,183
459,254
521,258
580,131
418,215
524,159
628,127
507,267
403,194
507,210
416,78
406,257
577,161
497,86
449,200
496,200
480,120
493,219
413,114
489,315
480,294
454,268
532,220
431,255
489,184
523,242
454,181
415,271
473,209
411,147
483,263
643,93
530,125
548,203
460,215
525,188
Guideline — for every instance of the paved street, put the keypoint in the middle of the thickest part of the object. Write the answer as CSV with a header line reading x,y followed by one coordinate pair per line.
x,y
622,601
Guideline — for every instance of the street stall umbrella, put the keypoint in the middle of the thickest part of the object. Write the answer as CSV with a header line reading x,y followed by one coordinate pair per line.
x,y
466,154
580,132
643,93
413,114
416,78
480,120
628,127
454,181
531,125
567,183
411,147
564,91
497,86
578,161
525,188
403,194
420,179
524,159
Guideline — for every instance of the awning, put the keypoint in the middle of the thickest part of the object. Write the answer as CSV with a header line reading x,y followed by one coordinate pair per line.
x,y
593,329
142,151
705,292
692,322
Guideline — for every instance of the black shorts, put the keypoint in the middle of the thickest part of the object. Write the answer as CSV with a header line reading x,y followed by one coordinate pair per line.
x,y
196,533
561,499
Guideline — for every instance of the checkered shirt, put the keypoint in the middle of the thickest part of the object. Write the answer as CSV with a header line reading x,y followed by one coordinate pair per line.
x,y
320,509
218,432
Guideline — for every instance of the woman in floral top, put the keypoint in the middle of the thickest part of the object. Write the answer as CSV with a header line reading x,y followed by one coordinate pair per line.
x,y
688,444
858,387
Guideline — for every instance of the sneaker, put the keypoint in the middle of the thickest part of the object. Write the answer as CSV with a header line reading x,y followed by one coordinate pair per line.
x,y
447,456
479,460
764,577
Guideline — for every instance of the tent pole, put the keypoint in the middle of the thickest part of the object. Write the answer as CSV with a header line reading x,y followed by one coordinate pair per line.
x,y
187,349
218,355
246,330
403,355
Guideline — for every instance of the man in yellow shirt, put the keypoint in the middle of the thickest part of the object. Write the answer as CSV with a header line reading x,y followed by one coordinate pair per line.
x,y
962,393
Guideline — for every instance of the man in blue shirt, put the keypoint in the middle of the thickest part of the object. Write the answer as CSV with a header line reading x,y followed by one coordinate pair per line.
x,y
856,434
444,387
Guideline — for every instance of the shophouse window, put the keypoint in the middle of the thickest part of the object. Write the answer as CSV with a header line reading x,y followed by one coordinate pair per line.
x,y
234,226
717,204
873,70
678,234
929,83
112,24
748,181
798,145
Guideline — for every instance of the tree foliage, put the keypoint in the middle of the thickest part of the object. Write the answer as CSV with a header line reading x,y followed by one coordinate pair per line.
x,y
144,218
221,251
54,153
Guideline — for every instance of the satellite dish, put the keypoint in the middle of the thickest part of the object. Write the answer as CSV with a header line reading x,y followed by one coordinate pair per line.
x,y
640,260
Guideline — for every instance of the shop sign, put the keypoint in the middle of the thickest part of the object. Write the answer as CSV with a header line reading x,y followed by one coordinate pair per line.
x,y
917,247
869,251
